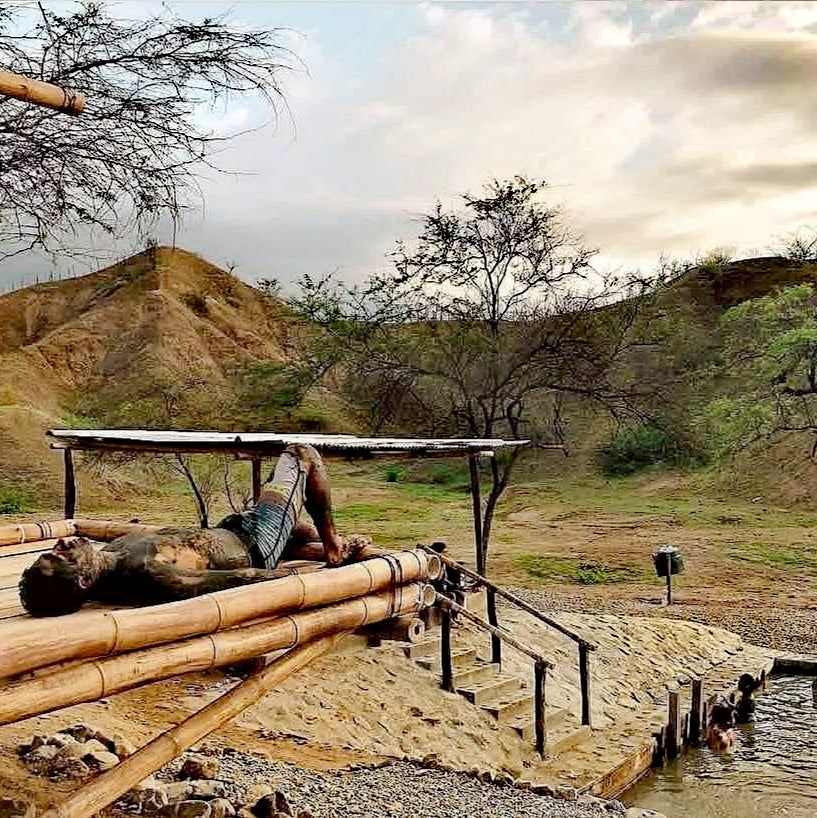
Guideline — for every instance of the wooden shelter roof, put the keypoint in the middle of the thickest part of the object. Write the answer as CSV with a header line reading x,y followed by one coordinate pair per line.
x,y
267,443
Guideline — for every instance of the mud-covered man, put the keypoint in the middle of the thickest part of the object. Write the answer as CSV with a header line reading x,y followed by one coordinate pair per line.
x,y
176,563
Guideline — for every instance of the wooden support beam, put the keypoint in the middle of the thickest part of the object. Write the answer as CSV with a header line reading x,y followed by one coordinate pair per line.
x,y
70,484
104,789
446,666
256,479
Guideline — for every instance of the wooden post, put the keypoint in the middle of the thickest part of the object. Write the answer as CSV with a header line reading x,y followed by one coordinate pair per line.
x,y
669,577
540,703
105,788
256,479
696,714
41,93
445,651
477,505
70,485
674,724
584,676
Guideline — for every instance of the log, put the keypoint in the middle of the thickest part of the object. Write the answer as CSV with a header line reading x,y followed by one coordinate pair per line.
x,y
403,629
41,93
96,679
107,530
32,532
104,789
31,643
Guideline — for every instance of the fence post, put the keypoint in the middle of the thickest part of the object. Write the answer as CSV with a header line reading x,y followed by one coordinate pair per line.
x,y
256,479
540,703
697,712
445,651
674,725
496,642
584,676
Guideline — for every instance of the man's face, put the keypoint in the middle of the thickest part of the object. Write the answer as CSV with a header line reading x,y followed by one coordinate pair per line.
x,y
69,557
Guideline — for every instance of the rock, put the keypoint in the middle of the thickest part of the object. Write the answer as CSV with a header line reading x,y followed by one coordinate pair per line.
x,y
69,767
541,789
615,806
637,812
199,767
62,739
485,776
95,746
305,813
193,809
39,760
207,790
281,803
74,749
566,793
147,800
177,791
81,732
265,806
221,808
15,808
120,745
101,760
32,743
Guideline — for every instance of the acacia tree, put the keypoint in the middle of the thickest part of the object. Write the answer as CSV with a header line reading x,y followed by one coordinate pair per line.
x,y
769,368
137,148
482,326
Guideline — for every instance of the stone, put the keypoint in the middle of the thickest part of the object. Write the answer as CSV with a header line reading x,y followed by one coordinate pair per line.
x,y
81,732
541,789
281,803
39,760
32,743
95,746
193,809
121,745
16,808
637,812
305,813
101,760
177,790
485,776
199,767
221,808
149,800
74,749
264,807
62,739
207,790
69,767
566,793
615,806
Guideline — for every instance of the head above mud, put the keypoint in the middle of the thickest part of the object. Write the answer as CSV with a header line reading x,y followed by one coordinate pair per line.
x,y
59,580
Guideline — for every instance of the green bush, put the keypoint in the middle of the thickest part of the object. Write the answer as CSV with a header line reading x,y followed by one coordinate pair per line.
x,y
635,446
394,473
13,500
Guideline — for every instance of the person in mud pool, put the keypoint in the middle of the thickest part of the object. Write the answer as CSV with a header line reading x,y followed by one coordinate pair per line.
x,y
176,563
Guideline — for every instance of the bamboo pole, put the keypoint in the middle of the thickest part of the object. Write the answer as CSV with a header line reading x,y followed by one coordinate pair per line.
x,y
107,530
33,532
41,93
31,643
96,679
105,788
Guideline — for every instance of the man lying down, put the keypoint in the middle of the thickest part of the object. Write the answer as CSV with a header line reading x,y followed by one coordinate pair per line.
x,y
176,563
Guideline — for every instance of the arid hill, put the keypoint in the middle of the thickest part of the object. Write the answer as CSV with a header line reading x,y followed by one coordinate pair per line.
x,y
161,339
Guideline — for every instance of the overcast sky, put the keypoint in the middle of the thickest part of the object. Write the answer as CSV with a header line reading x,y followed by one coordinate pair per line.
x,y
663,127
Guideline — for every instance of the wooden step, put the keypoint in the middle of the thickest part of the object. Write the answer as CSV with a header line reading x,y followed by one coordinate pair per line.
x,y
509,708
567,742
426,648
492,690
524,727
461,658
474,676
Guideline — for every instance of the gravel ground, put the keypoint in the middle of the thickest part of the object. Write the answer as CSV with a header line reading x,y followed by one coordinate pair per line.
x,y
394,791
788,629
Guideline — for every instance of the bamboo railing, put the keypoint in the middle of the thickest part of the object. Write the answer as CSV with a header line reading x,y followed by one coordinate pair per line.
x,y
41,93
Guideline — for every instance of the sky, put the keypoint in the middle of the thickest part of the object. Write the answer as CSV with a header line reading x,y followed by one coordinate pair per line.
x,y
662,128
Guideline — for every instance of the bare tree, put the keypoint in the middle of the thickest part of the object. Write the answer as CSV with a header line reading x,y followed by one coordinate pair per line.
x,y
483,326
137,148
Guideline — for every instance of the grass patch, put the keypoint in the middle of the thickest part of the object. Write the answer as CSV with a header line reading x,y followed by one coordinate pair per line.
x,y
14,500
774,556
561,569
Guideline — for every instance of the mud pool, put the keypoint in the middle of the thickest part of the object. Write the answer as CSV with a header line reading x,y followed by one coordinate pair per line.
x,y
772,771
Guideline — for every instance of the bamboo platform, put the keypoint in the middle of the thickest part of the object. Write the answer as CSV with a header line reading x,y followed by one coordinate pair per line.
x,y
48,663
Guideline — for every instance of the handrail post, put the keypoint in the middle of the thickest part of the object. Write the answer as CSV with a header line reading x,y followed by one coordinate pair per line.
x,y
540,683
445,650
256,479
496,643
584,676
477,505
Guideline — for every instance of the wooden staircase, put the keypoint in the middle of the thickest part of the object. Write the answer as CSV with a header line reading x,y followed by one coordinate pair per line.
x,y
507,698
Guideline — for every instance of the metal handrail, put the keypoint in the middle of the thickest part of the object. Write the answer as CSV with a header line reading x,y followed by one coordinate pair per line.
x,y
540,664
